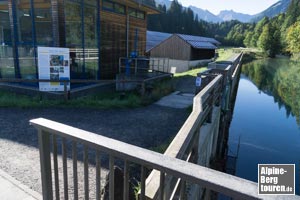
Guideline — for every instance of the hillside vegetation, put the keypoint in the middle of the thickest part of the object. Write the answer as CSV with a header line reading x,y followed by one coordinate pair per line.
x,y
280,34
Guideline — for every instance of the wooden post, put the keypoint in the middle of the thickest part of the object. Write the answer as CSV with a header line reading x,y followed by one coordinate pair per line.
x,y
45,160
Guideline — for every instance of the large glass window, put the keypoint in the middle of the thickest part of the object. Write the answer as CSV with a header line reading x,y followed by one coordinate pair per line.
x,y
6,53
81,37
34,29
25,40
90,39
73,24
43,22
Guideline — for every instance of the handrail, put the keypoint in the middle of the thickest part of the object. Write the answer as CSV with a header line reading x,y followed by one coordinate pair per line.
x,y
183,139
220,182
165,165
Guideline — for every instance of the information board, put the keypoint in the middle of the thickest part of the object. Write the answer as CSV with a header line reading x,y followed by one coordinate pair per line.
x,y
53,64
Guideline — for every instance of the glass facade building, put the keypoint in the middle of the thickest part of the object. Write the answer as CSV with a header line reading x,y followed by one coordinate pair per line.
x,y
97,32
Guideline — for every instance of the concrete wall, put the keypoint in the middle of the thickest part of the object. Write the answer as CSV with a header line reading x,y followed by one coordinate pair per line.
x,y
207,146
175,66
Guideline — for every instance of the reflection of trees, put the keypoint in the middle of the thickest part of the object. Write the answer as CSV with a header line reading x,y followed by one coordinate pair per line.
x,y
279,78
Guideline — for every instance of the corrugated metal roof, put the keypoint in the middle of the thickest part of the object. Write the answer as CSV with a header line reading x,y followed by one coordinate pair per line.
x,y
201,45
155,38
199,39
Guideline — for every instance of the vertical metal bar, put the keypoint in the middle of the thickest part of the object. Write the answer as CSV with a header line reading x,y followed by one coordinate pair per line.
x,y
126,183
162,186
65,168
75,176
143,180
111,178
127,34
99,40
98,175
86,172
45,159
54,147
83,38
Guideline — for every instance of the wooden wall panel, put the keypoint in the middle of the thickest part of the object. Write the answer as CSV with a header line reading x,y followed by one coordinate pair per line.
x,y
173,48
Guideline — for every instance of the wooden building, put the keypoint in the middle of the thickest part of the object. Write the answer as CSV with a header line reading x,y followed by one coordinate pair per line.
x,y
97,32
182,47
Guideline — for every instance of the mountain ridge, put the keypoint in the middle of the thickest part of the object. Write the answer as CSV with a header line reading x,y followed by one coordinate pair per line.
x,y
227,15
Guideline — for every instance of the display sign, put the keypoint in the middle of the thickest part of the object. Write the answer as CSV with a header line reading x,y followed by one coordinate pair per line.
x,y
53,64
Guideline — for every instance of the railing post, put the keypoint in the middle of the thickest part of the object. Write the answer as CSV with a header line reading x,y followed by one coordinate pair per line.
x,y
45,161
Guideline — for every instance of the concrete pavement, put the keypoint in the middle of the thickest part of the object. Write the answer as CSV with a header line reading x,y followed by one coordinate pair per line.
x,y
177,100
11,189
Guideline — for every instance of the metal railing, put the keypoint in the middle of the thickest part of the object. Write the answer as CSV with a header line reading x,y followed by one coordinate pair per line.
x,y
170,164
220,182
185,142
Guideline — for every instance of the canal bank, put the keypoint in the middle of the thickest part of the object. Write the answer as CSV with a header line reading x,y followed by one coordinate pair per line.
x,y
265,128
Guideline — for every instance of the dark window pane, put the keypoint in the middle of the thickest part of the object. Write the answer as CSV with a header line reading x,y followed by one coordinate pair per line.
x,y
140,15
7,69
119,8
132,12
25,45
27,62
73,24
108,5
43,23
24,21
91,50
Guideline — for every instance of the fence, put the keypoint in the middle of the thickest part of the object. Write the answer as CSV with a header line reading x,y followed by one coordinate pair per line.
x,y
220,182
171,173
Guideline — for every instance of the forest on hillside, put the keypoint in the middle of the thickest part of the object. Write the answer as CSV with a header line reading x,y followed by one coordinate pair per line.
x,y
280,34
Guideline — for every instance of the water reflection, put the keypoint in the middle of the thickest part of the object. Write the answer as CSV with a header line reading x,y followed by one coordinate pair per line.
x,y
263,129
279,78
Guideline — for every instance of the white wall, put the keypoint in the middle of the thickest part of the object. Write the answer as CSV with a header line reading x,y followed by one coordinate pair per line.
x,y
175,66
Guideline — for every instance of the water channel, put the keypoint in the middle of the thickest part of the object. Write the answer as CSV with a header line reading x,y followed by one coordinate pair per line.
x,y
265,128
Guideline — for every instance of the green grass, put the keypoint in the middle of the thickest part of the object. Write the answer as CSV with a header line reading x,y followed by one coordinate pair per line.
x,y
106,100
8,99
192,72
225,54
99,100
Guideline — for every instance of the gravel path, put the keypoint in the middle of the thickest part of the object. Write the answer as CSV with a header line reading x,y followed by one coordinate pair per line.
x,y
145,127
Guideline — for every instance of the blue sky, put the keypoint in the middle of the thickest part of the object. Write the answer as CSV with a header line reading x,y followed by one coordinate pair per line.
x,y
242,6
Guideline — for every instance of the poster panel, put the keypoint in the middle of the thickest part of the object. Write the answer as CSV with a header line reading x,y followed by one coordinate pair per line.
x,y
53,64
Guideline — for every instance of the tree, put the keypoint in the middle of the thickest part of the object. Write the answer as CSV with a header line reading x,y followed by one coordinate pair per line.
x,y
258,31
293,38
248,38
269,40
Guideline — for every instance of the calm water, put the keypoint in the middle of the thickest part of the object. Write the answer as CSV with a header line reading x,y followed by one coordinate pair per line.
x,y
267,117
